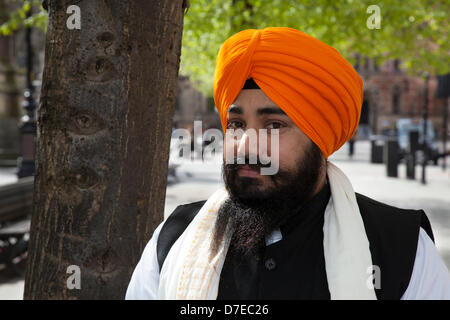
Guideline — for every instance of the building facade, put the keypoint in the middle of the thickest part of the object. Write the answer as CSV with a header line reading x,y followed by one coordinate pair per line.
x,y
192,105
390,94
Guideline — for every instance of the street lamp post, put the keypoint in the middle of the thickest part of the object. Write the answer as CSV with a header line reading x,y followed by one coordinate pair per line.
x,y
27,126
443,92
444,140
425,119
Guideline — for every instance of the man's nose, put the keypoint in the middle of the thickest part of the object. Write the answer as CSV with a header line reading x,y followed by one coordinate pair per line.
x,y
247,146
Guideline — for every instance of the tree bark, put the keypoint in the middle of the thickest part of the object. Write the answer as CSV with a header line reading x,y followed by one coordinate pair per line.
x,y
104,126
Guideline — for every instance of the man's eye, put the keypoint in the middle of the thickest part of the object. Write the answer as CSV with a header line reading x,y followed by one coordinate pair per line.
x,y
235,124
275,125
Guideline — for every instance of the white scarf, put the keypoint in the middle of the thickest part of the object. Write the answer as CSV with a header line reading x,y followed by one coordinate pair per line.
x,y
190,273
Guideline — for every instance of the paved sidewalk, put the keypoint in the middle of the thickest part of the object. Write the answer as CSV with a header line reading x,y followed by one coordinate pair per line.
x,y
7,176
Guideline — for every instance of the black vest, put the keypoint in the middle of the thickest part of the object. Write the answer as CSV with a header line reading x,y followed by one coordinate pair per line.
x,y
294,267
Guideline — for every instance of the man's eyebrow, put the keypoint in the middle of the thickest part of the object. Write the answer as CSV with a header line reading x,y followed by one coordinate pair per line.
x,y
270,109
235,109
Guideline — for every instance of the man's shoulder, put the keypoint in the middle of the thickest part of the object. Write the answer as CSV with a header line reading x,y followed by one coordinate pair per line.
x,y
190,205
381,207
393,235
387,217
182,216
185,212
174,226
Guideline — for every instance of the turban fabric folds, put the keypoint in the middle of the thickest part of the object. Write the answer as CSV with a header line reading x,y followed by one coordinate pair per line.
x,y
310,81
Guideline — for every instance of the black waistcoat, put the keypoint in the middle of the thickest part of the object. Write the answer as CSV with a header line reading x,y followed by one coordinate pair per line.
x,y
294,267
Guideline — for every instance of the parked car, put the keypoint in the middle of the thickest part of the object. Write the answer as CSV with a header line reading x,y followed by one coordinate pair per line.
x,y
405,126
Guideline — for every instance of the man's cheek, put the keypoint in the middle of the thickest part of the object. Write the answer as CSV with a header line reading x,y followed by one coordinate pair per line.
x,y
287,162
269,153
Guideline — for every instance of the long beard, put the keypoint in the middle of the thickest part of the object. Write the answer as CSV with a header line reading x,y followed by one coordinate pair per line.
x,y
252,213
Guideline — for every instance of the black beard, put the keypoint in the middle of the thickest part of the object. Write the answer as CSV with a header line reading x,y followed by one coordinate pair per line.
x,y
252,213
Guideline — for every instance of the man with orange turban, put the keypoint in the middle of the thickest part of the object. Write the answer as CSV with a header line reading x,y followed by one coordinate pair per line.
x,y
302,232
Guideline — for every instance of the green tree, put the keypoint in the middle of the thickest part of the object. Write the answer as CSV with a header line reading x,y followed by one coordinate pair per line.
x,y
7,67
17,18
415,31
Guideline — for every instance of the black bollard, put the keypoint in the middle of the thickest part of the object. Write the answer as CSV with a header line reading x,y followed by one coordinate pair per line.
x,y
413,141
391,156
376,154
413,146
410,166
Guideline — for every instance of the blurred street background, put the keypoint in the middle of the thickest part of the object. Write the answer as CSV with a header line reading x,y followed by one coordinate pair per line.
x,y
399,155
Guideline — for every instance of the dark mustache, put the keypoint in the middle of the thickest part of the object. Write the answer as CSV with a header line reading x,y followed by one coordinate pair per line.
x,y
254,166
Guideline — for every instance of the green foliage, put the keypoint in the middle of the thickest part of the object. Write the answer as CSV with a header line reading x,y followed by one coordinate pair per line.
x,y
17,19
415,31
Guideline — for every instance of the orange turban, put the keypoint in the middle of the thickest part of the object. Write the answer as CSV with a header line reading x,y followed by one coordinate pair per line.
x,y
309,80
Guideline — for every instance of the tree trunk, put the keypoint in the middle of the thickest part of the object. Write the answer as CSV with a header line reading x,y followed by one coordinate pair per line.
x,y
104,124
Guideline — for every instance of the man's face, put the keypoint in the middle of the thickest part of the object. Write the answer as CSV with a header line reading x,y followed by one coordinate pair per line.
x,y
259,203
253,110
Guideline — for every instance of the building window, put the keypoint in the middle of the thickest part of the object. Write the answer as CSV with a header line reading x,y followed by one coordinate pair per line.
x,y
396,100
367,64
376,64
364,118
357,63
397,65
